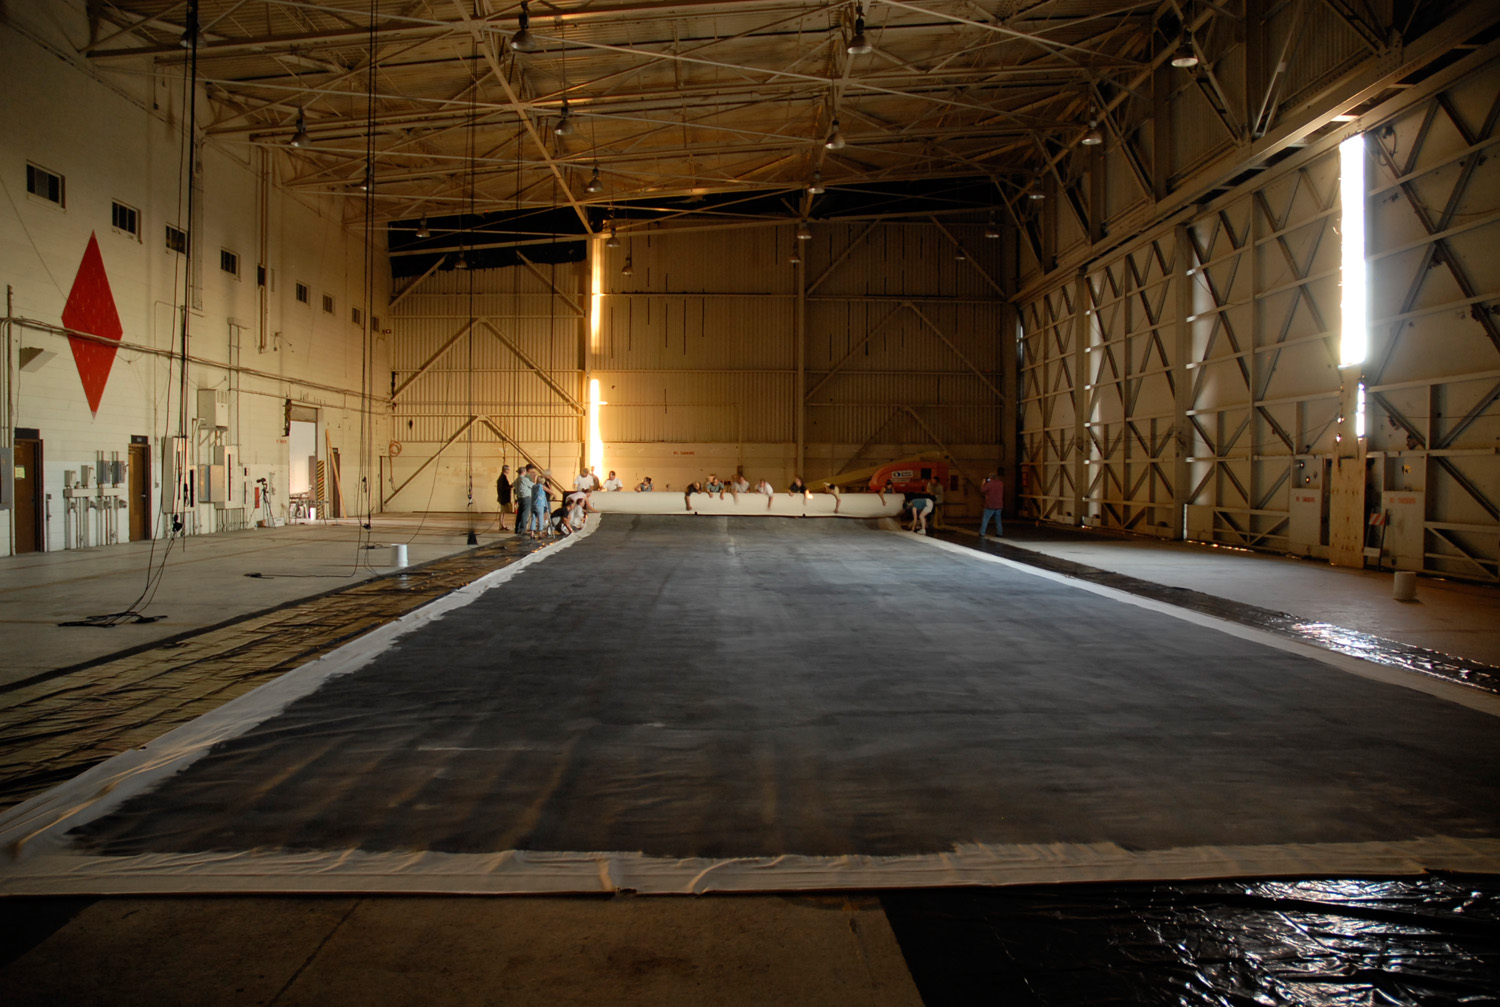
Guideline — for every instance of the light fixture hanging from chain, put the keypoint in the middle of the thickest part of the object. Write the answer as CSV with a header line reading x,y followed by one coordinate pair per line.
x,y
300,138
1186,56
523,40
858,44
815,187
1093,137
595,185
564,125
804,233
423,231
835,139
990,230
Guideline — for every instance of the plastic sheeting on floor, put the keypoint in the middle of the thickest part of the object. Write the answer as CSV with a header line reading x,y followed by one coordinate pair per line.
x,y
747,704
1314,943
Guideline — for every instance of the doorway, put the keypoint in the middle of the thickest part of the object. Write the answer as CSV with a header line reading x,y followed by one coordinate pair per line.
x,y
140,491
30,506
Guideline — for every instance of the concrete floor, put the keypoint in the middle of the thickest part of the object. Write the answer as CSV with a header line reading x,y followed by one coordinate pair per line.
x,y
622,949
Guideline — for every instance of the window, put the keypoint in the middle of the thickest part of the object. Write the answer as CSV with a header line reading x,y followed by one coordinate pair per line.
x,y
125,219
303,294
260,276
229,261
328,303
354,316
375,323
46,184
177,240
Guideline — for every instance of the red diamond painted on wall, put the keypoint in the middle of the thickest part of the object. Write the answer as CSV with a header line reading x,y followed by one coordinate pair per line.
x,y
91,309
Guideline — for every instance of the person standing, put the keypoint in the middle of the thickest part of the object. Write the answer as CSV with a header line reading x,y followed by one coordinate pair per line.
x,y
541,505
502,492
994,504
523,502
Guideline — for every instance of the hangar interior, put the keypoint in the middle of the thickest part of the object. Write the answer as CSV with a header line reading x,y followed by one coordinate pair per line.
x,y
1206,283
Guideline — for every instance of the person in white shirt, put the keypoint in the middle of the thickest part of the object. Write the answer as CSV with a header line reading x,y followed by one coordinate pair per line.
x,y
584,482
764,486
612,484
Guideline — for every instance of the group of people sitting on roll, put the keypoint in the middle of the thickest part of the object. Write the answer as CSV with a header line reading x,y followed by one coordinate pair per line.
x,y
536,517
734,486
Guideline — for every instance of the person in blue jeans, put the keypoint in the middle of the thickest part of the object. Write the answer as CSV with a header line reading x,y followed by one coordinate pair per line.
x,y
541,507
994,504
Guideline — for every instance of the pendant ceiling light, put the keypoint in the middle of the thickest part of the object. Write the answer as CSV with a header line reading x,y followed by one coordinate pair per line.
x,y
803,233
815,187
858,44
835,139
613,240
564,125
1185,58
423,231
595,185
523,40
990,230
462,262
1093,137
628,270
300,138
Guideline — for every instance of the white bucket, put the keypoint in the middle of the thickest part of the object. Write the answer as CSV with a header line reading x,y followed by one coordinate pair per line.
x,y
398,556
1405,587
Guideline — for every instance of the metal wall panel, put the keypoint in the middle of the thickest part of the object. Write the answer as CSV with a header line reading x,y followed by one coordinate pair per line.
x,y
1210,382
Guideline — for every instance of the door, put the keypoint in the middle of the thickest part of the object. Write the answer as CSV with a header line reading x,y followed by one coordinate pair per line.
x,y
140,492
29,503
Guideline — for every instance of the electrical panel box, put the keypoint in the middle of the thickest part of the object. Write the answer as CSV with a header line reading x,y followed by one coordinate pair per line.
x,y
85,472
211,484
7,477
1306,520
213,407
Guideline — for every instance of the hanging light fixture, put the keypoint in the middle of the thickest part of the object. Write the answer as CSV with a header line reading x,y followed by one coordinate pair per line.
x,y
1093,137
858,44
368,182
564,125
815,187
1185,58
796,259
835,139
595,185
300,138
627,270
990,230
961,255
803,233
614,239
523,40
462,262
1034,194
423,231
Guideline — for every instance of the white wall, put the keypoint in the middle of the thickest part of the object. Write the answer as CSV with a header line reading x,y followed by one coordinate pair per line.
x,y
120,139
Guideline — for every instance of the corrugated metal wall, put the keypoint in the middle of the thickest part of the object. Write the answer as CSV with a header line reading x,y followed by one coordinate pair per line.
x,y
697,355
